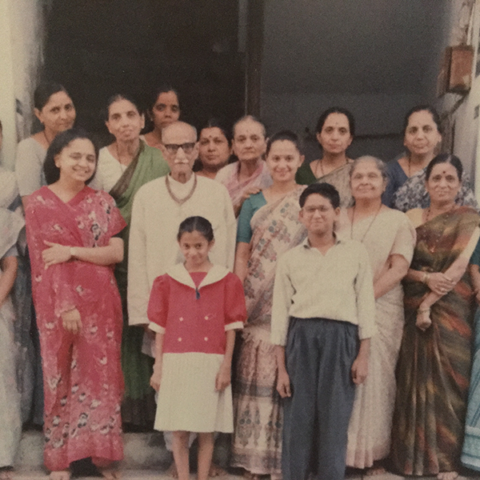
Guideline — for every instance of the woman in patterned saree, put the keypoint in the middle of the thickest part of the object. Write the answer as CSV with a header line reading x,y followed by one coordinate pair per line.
x,y
435,357
335,131
268,226
71,232
123,167
250,174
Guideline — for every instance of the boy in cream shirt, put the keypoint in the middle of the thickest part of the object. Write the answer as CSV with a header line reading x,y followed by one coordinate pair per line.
x,y
322,319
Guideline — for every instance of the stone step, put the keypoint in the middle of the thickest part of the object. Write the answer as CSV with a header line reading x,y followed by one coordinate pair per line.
x,y
147,458
141,451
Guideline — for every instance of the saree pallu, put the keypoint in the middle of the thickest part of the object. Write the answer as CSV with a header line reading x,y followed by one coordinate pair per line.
x,y
339,178
434,366
138,408
10,385
229,177
471,444
257,439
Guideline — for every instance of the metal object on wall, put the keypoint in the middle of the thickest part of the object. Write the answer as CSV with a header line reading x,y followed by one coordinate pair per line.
x,y
456,70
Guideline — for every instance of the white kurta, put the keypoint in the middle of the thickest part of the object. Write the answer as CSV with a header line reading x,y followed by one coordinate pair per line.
x,y
153,245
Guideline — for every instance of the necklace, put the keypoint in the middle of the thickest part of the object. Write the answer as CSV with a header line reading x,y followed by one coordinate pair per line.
x,y
440,231
370,226
46,138
180,201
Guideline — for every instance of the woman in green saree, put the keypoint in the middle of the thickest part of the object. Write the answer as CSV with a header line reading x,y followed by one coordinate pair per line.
x,y
334,132
123,167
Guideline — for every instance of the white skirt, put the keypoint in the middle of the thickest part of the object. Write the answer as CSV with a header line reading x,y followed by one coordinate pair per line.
x,y
187,399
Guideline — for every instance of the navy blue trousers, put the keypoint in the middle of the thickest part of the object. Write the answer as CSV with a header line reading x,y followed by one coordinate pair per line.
x,y
319,358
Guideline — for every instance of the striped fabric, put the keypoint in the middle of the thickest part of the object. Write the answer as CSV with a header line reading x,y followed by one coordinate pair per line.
x,y
434,366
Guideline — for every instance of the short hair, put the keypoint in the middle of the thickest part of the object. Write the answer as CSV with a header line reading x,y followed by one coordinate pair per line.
x,y
62,140
380,164
323,117
325,190
179,122
44,91
420,108
249,118
283,135
116,98
445,158
164,88
196,224
218,123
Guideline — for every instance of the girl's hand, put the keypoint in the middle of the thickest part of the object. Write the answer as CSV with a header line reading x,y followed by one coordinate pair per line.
x,y
283,384
223,378
423,318
439,283
55,254
156,378
72,321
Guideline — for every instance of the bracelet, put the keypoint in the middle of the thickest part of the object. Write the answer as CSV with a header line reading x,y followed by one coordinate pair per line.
x,y
72,253
426,276
425,309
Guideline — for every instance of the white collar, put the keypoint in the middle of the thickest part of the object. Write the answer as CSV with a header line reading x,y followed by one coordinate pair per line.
x,y
179,273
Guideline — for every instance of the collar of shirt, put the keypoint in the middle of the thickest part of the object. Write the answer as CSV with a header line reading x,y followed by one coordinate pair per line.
x,y
306,242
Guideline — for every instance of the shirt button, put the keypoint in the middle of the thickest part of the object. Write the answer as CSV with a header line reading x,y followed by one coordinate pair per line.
x,y
181,319
206,339
179,339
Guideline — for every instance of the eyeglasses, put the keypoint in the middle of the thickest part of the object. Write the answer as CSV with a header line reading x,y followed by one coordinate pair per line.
x,y
187,148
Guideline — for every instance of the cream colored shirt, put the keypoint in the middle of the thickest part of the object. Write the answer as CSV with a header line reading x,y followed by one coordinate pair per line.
x,y
337,286
153,245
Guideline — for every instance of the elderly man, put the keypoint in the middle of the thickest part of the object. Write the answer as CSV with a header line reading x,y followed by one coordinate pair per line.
x,y
159,208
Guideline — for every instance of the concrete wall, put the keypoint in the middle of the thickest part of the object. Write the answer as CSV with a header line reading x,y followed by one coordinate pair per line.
x,y
375,59
463,122
21,54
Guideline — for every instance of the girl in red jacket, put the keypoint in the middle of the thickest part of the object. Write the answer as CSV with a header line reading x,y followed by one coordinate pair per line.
x,y
194,310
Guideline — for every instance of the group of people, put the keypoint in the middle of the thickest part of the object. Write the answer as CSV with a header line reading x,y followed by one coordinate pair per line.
x,y
143,259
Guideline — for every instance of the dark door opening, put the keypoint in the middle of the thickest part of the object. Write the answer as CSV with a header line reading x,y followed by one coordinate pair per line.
x,y
100,48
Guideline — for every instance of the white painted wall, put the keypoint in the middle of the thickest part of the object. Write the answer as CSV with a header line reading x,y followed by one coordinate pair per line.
x,y
467,128
21,54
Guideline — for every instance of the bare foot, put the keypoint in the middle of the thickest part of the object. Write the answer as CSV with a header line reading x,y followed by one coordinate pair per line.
x,y
172,471
6,473
447,475
216,471
60,475
110,473
376,469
